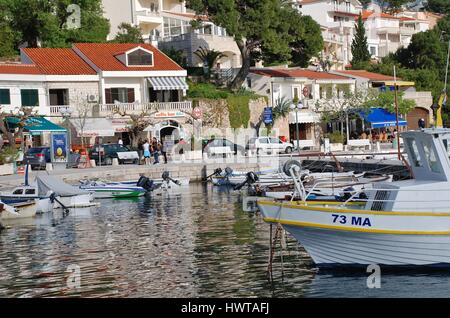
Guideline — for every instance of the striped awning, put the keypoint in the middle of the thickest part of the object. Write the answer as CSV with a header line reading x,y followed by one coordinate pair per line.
x,y
168,83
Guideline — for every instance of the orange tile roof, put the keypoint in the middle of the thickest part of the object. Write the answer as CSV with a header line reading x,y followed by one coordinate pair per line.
x,y
23,69
367,14
407,19
53,61
369,75
298,73
103,55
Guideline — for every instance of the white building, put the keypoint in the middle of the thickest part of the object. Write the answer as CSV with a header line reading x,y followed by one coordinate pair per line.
x,y
167,23
311,88
337,21
102,78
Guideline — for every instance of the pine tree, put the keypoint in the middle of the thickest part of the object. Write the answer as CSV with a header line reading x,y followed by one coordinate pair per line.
x,y
360,49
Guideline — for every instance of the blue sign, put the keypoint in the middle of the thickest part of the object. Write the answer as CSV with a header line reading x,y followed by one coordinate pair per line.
x,y
59,147
268,115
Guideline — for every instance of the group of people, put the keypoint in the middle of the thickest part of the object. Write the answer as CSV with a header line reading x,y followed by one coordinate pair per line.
x,y
153,148
374,135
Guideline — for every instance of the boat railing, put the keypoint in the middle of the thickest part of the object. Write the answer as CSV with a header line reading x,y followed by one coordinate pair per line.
x,y
334,185
355,197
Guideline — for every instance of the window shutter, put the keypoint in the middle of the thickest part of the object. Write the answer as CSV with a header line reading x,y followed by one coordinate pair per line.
x,y
108,96
131,98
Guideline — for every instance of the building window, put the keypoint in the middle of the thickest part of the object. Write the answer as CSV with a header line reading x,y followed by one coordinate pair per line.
x,y
140,58
373,50
30,97
121,95
59,97
5,97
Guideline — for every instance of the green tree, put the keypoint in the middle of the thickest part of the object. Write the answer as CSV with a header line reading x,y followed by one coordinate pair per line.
x,y
44,22
176,55
269,29
128,34
386,100
360,50
208,58
439,6
392,6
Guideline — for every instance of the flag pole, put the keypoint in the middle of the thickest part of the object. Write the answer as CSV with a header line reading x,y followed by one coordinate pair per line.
x,y
396,115
443,98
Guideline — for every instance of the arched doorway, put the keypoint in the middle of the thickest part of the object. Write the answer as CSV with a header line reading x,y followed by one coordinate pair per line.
x,y
414,116
170,130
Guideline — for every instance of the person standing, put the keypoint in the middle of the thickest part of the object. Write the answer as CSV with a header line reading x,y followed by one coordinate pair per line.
x,y
155,149
164,151
140,150
147,154
120,142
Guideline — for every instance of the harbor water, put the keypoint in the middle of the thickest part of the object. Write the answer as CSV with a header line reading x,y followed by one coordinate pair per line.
x,y
194,243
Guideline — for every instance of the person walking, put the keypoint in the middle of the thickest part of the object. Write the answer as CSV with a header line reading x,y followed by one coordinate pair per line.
x,y
164,151
155,149
147,154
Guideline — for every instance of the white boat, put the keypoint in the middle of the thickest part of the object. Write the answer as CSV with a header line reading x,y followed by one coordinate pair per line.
x,y
18,210
401,223
63,194
26,193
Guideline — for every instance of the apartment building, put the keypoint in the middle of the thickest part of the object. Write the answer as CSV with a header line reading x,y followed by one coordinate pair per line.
x,y
337,21
167,24
387,33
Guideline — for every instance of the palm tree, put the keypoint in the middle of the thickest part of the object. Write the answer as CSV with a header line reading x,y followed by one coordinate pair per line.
x,y
209,57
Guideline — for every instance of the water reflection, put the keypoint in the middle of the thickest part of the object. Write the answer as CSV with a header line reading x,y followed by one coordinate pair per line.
x,y
196,243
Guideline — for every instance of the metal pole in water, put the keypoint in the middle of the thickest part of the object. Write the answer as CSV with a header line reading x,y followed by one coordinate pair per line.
x,y
396,114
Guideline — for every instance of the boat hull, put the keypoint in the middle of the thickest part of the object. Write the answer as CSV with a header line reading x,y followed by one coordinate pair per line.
x,y
76,201
332,248
333,235
117,194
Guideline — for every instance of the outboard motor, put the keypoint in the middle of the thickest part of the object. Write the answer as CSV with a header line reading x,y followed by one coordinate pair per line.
x,y
228,172
166,177
251,178
216,172
146,184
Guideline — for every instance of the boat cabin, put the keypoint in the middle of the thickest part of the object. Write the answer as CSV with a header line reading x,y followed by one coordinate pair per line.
x,y
428,155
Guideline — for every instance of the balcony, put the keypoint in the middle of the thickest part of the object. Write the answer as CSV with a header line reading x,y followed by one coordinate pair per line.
x,y
384,50
150,15
333,38
149,108
407,31
388,30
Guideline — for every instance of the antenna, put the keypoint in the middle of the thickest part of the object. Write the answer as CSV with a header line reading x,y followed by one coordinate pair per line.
x,y
396,114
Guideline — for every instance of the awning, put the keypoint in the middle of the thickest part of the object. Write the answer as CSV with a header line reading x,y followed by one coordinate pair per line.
x,y
168,83
93,127
304,117
380,118
37,125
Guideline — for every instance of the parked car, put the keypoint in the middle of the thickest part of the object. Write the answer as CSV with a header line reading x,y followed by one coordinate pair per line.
x,y
110,151
269,145
218,145
38,157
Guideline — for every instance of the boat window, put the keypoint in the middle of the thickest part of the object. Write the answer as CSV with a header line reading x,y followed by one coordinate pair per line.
x,y
415,160
18,191
445,141
30,191
430,156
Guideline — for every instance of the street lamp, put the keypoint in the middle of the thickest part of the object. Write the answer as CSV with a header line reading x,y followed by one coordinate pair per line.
x,y
66,113
296,106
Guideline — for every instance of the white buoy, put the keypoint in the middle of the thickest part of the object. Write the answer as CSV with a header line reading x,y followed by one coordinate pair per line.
x,y
115,162
49,166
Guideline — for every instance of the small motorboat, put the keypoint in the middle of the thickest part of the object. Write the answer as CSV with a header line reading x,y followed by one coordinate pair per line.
x,y
28,192
118,190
